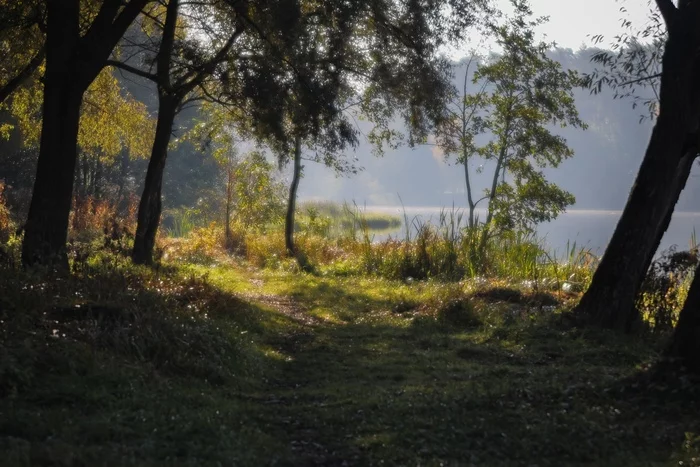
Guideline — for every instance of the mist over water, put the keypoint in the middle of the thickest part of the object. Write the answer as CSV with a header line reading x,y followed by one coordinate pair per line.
x,y
591,229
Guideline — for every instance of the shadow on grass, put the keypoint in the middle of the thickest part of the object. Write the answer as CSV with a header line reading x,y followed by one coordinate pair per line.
x,y
129,366
119,365
529,393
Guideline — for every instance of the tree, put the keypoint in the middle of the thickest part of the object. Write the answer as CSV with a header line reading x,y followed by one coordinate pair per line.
x,y
377,58
609,301
78,46
112,122
181,66
520,93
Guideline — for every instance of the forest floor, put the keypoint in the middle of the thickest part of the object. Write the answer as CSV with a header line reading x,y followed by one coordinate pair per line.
x,y
231,365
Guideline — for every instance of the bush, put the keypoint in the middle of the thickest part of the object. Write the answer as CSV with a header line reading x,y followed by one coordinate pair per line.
x,y
665,288
7,226
203,245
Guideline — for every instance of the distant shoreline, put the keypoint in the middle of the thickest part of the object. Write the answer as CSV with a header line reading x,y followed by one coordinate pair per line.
x,y
436,210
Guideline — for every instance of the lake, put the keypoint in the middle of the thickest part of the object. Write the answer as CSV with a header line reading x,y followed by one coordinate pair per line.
x,y
589,228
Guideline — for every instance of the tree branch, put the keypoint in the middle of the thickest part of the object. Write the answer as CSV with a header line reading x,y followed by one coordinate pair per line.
x,y
196,77
133,70
12,85
644,78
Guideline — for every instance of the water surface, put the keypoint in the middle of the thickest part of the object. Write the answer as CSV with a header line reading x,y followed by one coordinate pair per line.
x,y
588,228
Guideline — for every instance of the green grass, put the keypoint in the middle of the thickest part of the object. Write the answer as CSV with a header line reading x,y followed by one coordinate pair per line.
x,y
232,365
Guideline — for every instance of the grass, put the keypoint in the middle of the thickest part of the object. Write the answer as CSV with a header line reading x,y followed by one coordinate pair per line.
x,y
336,220
233,365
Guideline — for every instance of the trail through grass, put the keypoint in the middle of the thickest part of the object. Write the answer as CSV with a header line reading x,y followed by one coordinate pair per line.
x,y
366,382
346,372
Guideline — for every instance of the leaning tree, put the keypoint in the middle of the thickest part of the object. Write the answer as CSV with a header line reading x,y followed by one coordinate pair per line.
x,y
610,300
191,45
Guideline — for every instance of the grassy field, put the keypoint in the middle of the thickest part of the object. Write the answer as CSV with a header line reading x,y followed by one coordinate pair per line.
x,y
233,365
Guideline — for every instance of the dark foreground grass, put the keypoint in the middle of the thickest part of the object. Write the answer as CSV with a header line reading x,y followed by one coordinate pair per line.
x,y
229,366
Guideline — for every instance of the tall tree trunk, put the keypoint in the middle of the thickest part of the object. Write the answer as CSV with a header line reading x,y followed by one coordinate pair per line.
x,y
47,222
291,204
46,229
150,206
492,195
72,64
470,199
685,344
610,300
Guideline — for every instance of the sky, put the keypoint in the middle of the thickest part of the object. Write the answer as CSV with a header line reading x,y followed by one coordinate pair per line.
x,y
571,23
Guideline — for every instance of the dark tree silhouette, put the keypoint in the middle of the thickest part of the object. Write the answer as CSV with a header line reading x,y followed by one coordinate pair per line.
x,y
75,54
609,301
181,66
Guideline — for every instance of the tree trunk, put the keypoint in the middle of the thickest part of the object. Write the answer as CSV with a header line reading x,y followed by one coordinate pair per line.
x,y
229,204
150,206
492,195
72,64
685,344
291,205
610,300
64,85
46,229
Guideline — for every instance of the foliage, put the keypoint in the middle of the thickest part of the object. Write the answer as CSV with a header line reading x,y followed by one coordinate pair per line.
x,y
665,288
201,245
7,226
21,39
632,65
521,93
111,121
258,195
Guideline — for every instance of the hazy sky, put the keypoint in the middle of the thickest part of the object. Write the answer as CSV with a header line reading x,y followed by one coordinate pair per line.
x,y
570,22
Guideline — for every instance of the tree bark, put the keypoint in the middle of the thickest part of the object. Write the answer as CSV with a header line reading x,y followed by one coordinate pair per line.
x,y
150,207
685,344
229,203
291,204
47,222
46,229
72,64
610,300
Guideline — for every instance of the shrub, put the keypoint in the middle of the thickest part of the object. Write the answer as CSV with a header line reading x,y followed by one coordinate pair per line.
x,y
7,226
665,288
203,245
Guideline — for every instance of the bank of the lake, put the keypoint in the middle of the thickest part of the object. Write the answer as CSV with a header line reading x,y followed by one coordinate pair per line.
x,y
589,228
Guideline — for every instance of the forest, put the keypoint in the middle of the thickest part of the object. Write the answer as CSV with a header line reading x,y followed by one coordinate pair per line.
x,y
181,284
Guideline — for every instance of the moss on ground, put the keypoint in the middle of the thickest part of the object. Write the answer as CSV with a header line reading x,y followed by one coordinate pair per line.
x,y
235,366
